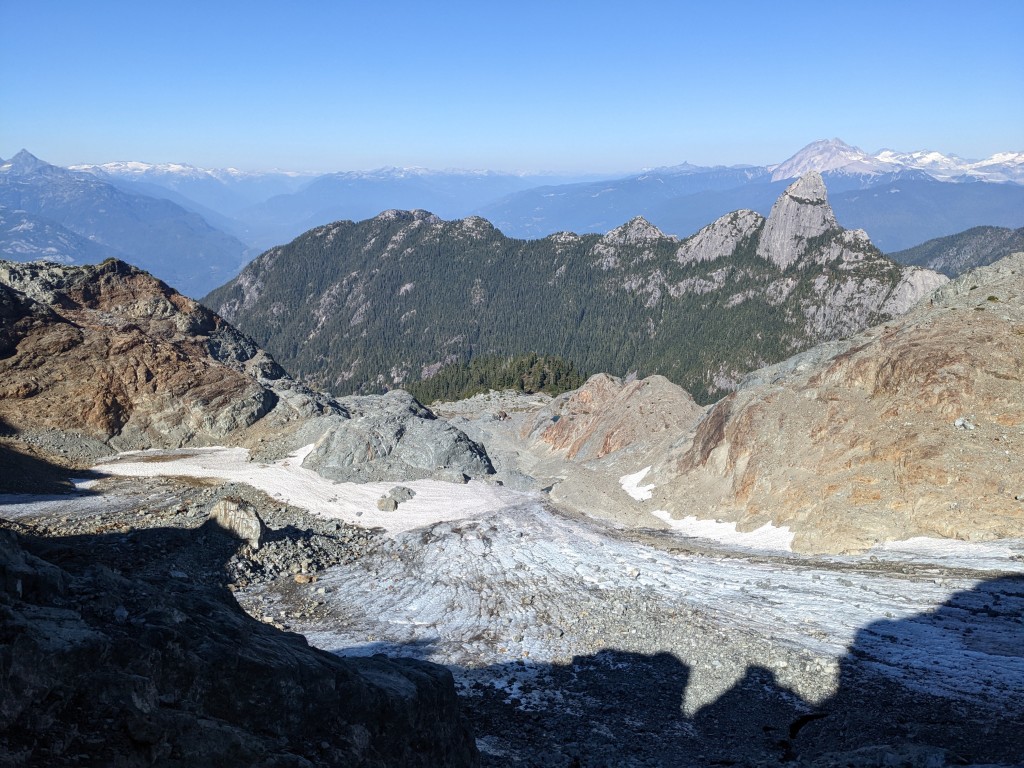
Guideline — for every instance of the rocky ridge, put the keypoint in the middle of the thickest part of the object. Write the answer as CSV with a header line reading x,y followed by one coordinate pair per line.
x,y
352,306
959,253
75,216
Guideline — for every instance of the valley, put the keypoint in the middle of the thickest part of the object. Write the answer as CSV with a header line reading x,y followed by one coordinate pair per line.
x,y
511,385
823,567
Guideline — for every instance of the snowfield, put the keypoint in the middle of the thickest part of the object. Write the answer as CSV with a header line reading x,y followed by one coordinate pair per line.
x,y
290,482
477,574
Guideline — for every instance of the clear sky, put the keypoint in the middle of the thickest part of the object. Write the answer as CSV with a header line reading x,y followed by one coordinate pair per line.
x,y
556,85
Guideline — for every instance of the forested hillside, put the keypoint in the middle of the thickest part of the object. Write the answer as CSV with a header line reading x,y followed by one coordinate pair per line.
x,y
384,302
525,373
964,251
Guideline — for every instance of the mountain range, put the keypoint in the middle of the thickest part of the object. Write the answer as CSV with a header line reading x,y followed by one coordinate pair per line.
x,y
75,217
196,227
900,200
355,306
959,253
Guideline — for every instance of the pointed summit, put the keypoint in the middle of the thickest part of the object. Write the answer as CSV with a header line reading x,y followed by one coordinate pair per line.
x,y
801,213
25,162
809,188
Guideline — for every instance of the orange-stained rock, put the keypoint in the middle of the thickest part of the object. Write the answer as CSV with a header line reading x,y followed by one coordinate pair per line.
x,y
908,429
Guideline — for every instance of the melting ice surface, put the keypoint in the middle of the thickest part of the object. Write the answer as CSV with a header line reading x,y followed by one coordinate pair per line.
x,y
479,575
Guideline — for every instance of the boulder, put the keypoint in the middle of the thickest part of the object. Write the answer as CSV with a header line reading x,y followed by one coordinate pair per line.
x,y
387,504
393,437
238,517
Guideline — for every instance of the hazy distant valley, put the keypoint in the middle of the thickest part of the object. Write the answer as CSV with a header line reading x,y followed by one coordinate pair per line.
x,y
782,522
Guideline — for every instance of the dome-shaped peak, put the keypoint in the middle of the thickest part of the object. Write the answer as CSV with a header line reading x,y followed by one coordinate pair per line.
x,y
800,214
395,214
636,230
476,226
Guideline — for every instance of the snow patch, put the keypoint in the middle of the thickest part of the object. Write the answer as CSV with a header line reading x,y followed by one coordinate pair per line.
x,y
768,536
291,483
631,485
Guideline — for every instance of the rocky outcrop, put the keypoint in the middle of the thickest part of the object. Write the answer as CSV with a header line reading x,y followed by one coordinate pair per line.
x,y
800,214
607,415
393,437
114,357
130,651
637,230
912,428
721,238
112,353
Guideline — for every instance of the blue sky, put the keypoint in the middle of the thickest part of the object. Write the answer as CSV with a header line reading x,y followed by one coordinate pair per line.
x,y
566,86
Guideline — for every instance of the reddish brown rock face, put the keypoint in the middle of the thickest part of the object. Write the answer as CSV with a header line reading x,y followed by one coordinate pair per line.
x,y
606,415
113,353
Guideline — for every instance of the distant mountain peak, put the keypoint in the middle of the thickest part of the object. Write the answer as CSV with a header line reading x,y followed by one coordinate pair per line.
x,y
827,155
25,162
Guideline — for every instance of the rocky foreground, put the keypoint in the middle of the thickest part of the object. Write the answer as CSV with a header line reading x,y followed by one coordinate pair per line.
x,y
122,645
569,642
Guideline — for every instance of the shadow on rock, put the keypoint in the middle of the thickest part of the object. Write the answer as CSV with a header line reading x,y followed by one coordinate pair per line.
x,y
23,471
939,688
129,650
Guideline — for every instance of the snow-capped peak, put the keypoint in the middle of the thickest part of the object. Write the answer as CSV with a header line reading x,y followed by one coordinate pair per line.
x,y
836,156
24,162
134,170
828,155
1001,167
